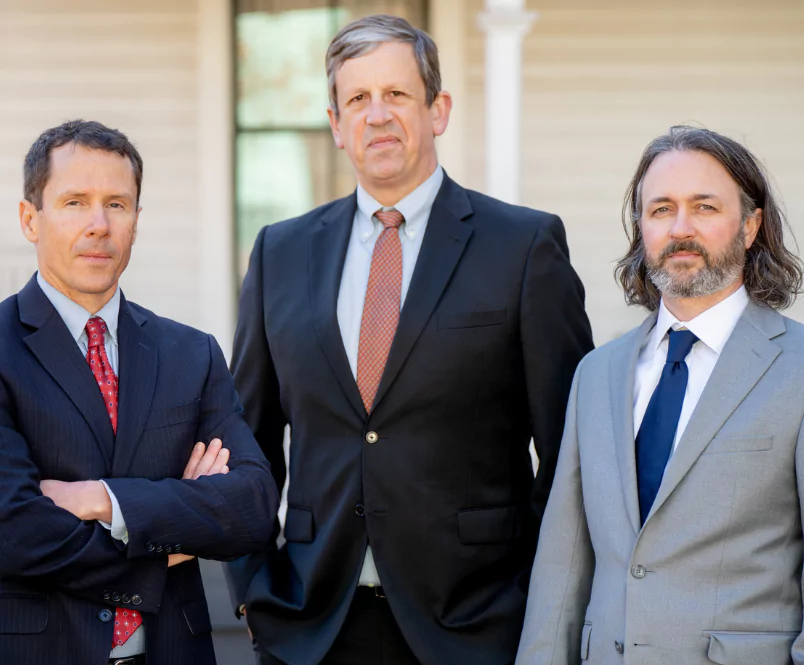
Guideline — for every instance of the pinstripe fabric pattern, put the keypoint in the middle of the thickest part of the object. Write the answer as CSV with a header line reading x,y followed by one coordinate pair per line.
x,y
57,574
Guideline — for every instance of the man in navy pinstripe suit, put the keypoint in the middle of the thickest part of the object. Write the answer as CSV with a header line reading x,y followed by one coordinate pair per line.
x,y
105,496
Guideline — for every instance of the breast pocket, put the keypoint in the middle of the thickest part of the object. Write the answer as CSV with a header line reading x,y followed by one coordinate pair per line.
x,y
724,445
174,415
477,319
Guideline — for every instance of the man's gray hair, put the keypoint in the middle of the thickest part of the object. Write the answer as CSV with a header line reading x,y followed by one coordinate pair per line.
x,y
366,34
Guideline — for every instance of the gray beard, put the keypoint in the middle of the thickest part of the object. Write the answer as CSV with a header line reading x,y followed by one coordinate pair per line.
x,y
715,275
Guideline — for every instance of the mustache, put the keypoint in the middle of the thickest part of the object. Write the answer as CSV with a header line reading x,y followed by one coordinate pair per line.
x,y
683,246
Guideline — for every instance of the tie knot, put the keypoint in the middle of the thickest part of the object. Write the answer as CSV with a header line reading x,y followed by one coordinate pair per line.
x,y
96,328
681,342
390,219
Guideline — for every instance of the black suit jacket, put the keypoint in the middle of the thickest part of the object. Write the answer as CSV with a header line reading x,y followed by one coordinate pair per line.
x,y
57,573
488,339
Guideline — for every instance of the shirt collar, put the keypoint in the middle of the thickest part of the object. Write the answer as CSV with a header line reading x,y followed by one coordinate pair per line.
x,y
713,326
74,316
415,207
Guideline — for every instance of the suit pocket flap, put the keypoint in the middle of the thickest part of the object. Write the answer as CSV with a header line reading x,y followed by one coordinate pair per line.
x,y
23,614
196,614
173,415
489,317
488,525
739,445
741,648
585,636
299,525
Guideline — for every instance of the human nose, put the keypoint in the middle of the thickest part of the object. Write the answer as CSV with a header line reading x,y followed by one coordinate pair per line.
x,y
683,226
378,113
99,222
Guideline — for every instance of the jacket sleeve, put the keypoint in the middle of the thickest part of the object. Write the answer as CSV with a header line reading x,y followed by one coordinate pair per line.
x,y
797,651
258,386
214,517
555,334
45,545
561,579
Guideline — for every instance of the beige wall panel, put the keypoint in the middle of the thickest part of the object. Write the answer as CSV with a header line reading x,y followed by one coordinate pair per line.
x,y
599,83
133,66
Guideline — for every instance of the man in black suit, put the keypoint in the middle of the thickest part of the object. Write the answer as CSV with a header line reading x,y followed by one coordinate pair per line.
x,y
102,513
412,510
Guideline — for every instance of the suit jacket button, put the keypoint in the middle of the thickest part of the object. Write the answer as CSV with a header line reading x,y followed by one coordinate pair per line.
x,y
618,647
105,616
176,549
126,598
150,547
136,599
638,571
372,437
106,595
158,548
168,549
360,511
116,597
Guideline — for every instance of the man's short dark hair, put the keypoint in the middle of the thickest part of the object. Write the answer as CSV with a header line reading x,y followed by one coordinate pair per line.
x,y
92,135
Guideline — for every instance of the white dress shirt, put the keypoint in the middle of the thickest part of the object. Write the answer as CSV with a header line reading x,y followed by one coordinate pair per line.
x,y
712,328
75,318
366,228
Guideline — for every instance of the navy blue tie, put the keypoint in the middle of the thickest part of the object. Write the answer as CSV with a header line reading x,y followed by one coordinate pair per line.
x,y
658,429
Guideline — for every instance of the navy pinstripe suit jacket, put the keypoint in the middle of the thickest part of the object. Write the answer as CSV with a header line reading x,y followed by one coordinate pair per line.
x,y
57,573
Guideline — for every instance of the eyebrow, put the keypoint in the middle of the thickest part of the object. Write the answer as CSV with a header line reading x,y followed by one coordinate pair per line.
x,y
694,197
78,193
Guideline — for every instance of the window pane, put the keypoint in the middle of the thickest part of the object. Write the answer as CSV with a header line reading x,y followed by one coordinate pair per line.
x,y
282,175
281,78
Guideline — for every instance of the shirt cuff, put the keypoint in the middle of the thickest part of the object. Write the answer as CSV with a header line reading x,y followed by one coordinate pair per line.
x,y
118,528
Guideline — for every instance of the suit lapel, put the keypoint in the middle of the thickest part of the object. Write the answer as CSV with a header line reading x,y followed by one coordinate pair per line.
x,y
745,358
137,381
622,373
57,351
442,247
328,244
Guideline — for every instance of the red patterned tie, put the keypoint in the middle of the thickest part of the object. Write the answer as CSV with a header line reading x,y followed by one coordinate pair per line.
x,y
125,621
381,309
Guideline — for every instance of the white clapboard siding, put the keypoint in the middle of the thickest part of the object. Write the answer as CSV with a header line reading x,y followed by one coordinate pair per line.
x,y
604,77
132,66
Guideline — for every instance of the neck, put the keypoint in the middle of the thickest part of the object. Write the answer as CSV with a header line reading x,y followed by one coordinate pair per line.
x,y
686,309
91,302
389,193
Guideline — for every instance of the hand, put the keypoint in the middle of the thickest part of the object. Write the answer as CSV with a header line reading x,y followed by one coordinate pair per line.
x,y
176,559
243,612
207,461
86,499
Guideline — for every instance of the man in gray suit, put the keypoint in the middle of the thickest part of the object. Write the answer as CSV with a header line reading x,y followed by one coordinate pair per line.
x,y
673,533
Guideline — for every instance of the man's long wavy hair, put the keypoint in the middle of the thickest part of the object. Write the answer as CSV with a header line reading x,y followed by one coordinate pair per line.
x,y
772,273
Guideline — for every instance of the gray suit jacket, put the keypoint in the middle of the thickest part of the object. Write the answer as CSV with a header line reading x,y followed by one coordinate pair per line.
x,y
714,575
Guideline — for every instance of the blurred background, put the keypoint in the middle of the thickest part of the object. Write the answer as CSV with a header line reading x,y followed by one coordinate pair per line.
x,y
226,100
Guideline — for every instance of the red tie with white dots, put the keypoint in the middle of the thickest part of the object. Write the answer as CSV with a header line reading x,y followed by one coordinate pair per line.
x,y
125,621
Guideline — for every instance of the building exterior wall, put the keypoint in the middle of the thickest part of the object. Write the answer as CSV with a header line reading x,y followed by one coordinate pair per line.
x,y
130,65
601,79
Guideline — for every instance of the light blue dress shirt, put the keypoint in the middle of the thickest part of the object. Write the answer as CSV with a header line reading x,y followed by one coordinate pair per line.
x,y
75,318
366,228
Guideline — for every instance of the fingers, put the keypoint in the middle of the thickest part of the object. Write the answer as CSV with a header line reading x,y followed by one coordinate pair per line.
x,y
192,464
208,460
220,463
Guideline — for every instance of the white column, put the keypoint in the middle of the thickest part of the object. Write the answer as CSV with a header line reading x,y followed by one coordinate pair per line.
x,y
505,23
216,274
